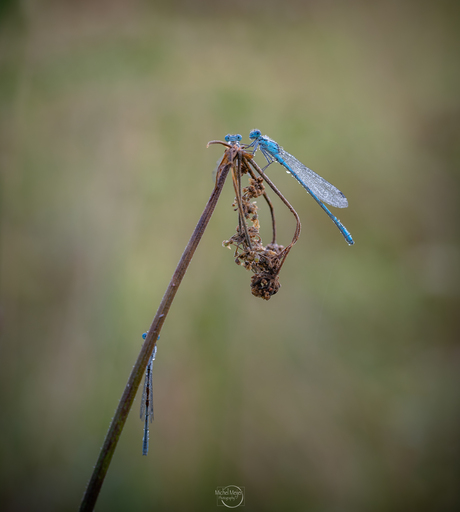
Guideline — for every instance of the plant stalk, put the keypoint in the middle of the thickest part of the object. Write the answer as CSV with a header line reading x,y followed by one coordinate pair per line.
x,y
127,399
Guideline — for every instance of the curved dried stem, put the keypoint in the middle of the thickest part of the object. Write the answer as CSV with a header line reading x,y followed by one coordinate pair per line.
x,y
218,142
286,202
236,178
269,203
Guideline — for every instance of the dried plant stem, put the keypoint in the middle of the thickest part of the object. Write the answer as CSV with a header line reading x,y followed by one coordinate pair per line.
x,y
286,202
236,178
269,203
127,399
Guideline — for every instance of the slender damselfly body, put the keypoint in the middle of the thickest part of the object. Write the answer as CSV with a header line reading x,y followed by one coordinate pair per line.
x,y
147,399
320,189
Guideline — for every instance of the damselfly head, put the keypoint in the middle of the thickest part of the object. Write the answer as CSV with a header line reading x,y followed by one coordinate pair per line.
x,y
233,138
145,335
255,134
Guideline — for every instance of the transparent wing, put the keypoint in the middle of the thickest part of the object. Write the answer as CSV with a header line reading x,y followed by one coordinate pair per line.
x,y
319,186
147,394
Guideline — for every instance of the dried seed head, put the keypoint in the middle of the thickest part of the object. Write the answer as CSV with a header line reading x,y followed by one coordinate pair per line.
x,y
264,285
265,262
250,253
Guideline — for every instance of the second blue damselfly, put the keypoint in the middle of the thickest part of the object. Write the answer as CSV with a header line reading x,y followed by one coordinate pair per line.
x,y
320,189
147,400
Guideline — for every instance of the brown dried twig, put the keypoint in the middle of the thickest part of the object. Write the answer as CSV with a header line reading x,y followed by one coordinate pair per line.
x,y
127,399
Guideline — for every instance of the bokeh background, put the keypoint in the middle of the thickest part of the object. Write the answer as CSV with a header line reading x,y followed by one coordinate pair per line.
x,y
341,392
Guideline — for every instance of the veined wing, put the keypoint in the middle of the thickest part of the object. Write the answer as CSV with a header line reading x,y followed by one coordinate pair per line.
x,y
319,186
147,395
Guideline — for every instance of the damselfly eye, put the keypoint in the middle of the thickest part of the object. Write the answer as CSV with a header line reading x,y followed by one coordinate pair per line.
x,y
227,138
238,137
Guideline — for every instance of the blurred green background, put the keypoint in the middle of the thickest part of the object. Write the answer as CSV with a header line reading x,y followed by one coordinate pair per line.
x,y
341,392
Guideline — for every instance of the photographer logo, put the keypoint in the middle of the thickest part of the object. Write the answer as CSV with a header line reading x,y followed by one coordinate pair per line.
x,y
230,496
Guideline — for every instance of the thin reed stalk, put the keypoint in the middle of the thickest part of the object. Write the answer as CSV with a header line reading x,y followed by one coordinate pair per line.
x,y
127,399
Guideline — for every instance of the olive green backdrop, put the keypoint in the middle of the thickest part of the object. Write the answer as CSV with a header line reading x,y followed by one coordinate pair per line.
x,y
341,392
